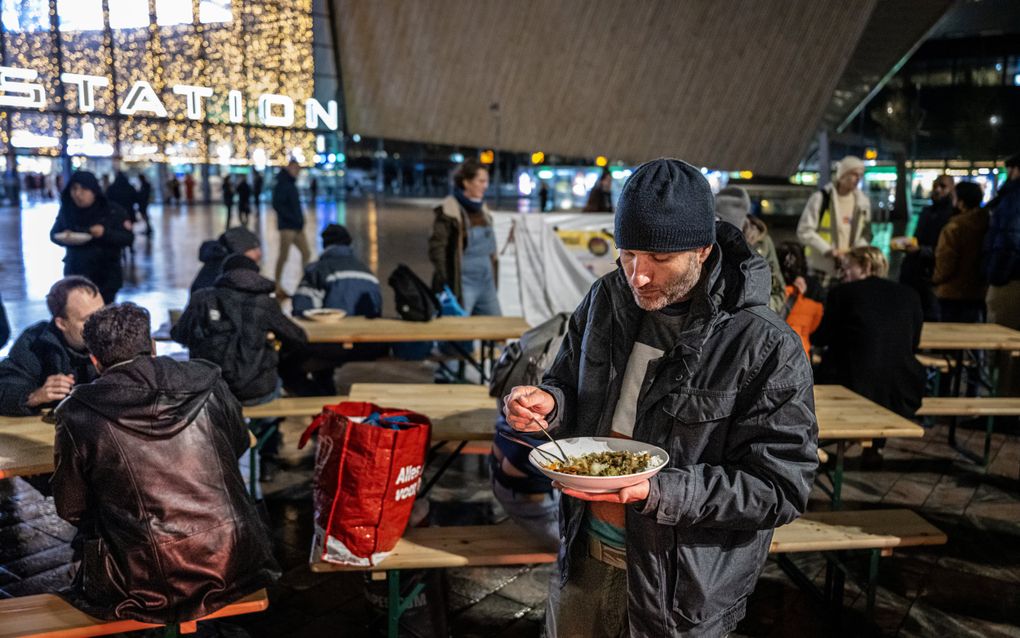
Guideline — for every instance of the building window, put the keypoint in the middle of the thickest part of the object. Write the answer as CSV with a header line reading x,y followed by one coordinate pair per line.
x,y
210,11
26,15
80,15
171,12
128,14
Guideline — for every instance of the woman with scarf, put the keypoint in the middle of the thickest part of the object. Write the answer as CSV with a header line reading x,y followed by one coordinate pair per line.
x,y
463,245
94,231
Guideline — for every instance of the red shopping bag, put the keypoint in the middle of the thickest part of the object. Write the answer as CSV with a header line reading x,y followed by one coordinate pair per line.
x,y
368,467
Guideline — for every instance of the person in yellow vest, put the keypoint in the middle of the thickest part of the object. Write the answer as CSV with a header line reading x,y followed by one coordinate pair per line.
x,y
836,219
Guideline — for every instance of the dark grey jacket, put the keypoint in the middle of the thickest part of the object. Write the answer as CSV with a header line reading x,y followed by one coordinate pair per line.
x,y
733,405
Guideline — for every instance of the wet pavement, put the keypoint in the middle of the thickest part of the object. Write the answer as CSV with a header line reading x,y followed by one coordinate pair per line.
x,y
969,587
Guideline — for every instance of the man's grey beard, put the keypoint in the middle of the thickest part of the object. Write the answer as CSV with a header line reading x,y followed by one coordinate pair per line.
x,y
675,291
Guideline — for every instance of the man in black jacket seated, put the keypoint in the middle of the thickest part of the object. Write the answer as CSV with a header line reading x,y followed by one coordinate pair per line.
x,y
239,327
146,469
49,358
679,349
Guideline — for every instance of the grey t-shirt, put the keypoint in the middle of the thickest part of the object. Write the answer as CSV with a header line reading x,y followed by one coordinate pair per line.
x,y
656,336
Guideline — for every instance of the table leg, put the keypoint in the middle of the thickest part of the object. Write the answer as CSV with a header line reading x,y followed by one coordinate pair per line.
x,y
393,604
873,562
442,469
837,475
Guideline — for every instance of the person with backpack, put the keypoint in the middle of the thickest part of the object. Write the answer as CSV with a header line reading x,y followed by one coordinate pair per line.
x,y
835,219
462,247
733,205
239,327
525,494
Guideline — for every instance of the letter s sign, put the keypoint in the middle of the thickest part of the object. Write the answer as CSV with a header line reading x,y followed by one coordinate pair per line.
x,y
18,90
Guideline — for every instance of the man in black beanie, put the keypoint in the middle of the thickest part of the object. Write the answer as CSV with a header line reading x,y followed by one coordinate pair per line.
x,y
676,348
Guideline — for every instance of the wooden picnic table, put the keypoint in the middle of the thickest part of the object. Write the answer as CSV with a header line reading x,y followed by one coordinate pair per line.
x,y
26,446
361,330
968,336
459,413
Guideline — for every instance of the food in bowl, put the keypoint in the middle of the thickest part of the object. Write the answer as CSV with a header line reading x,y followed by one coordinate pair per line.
x,y
324,314
587,447
609,463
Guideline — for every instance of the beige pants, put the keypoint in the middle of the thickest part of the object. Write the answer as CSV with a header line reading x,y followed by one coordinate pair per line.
x,y
1004,308
290,238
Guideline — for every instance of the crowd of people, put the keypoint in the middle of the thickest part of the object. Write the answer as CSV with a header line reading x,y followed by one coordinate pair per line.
x,y
702,342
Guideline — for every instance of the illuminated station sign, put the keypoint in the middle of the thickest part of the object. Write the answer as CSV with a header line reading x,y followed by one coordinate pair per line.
x,y
19,89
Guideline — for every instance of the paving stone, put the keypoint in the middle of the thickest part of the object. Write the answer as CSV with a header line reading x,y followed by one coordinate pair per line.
x,y
474,583
54,526
45,582
523,628
489,616
21,540
6,577
531,587
41,561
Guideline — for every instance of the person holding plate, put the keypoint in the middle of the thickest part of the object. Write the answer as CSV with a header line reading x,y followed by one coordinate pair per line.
x,y
94,231
676,348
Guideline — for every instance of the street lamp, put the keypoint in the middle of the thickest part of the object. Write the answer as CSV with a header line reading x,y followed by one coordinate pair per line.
x,y
494,108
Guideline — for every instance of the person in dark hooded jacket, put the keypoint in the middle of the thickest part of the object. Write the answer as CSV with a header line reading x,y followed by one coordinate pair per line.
x,y
147,471
234,241
676,348
234,324
122,193
5,326
94,231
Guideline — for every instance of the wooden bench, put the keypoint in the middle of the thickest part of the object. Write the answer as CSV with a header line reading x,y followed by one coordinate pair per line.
x,y
955,407
49,616
940,364
877,531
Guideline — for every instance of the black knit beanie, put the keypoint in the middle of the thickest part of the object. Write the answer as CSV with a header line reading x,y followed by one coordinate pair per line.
x,y
335,234
666,206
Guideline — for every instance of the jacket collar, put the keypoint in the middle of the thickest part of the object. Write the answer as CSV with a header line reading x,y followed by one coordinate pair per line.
x,y
338,250
245,281
451,208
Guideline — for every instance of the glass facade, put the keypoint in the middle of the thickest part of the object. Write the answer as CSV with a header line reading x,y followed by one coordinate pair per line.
x,y
229,83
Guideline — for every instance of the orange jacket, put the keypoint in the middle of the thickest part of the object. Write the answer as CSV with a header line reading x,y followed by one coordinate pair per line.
x,y
804,316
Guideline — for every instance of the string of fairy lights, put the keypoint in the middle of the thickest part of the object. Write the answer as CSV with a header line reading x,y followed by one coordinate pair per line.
x,y
264,47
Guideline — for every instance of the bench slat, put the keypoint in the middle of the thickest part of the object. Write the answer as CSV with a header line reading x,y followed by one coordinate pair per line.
x,y
474,545
865,529
507,544
969,406
49,616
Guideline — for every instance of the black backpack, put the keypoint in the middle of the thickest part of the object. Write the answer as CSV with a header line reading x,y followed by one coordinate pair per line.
x,y
415,300
524,362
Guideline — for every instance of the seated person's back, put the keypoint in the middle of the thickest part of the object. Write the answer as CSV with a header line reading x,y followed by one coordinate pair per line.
x,y
872,327
338,280
233,324
49,357
146,469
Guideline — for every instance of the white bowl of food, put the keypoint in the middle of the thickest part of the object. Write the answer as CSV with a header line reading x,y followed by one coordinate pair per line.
x,y
597,464
324,314
72,238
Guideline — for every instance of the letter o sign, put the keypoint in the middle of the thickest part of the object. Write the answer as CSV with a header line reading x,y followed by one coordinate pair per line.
x,y
270,104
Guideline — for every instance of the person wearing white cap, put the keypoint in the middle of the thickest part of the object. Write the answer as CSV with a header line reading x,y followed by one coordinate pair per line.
x,y
835,219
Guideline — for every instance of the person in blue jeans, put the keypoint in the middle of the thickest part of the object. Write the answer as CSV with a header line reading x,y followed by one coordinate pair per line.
x,y
527,495
462,247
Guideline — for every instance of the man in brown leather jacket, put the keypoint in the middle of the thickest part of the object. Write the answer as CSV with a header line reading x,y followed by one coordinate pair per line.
x,y
146,469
